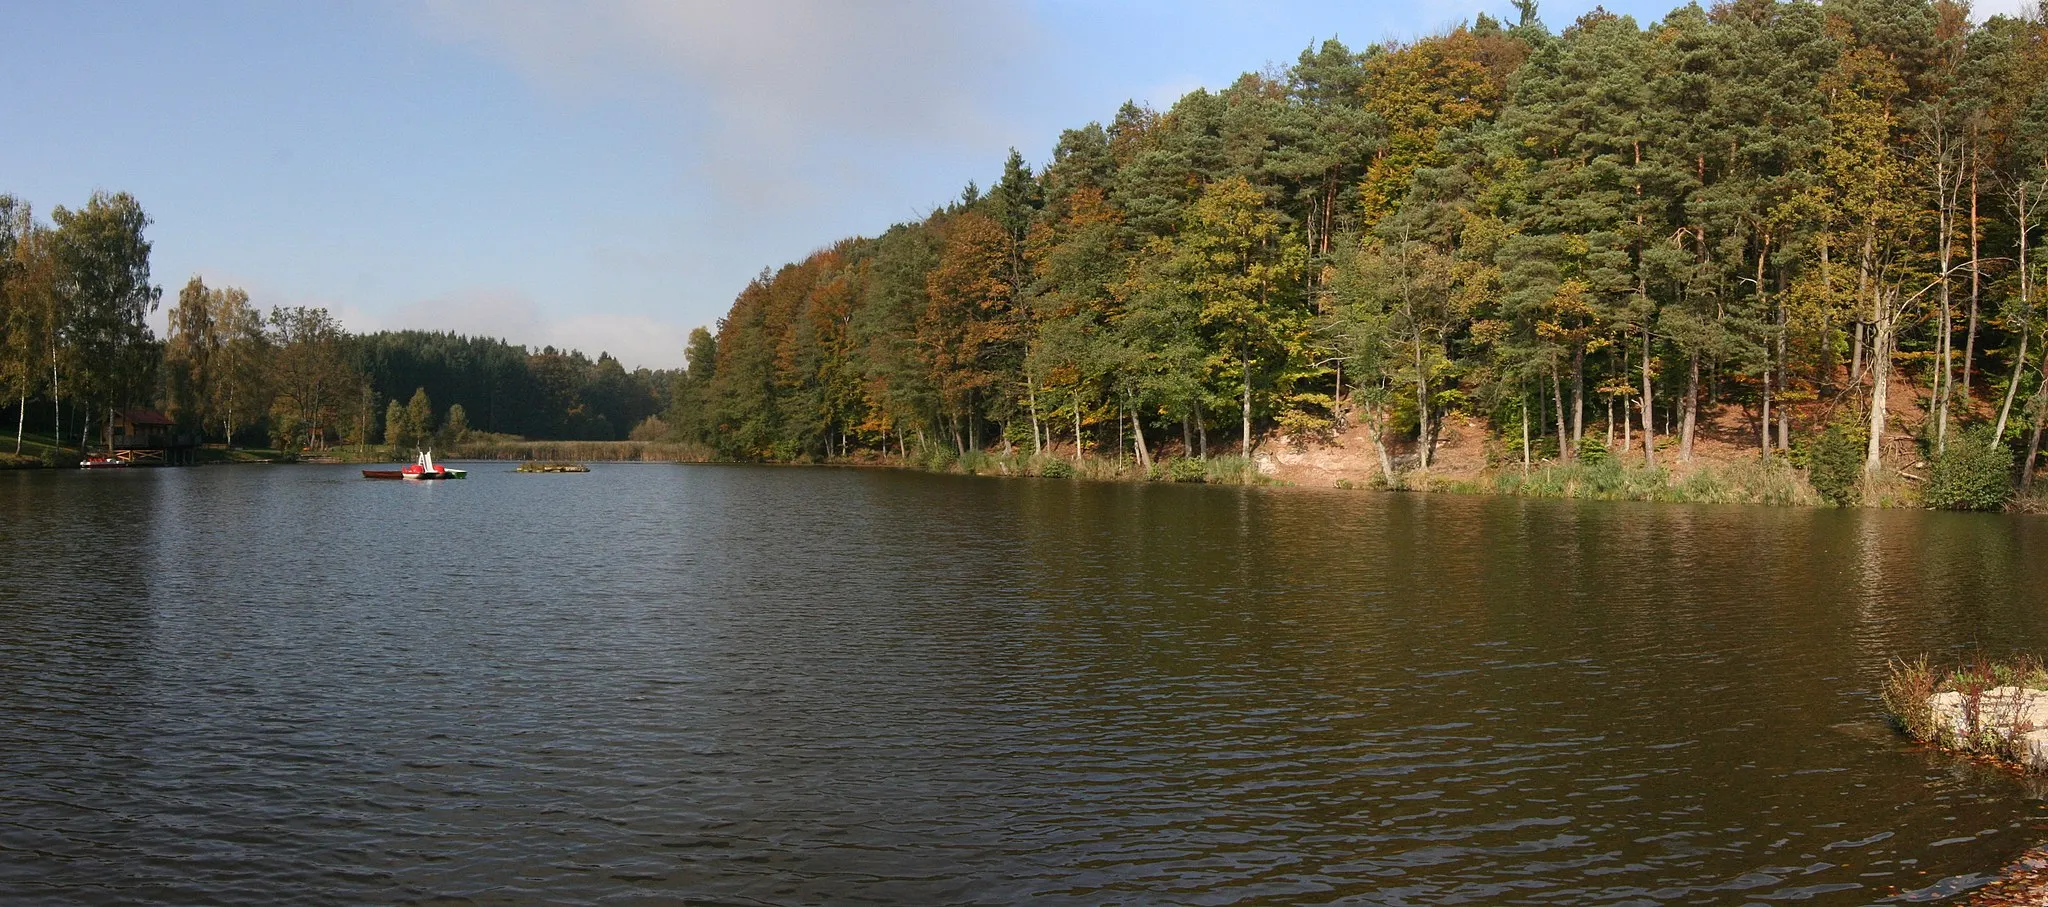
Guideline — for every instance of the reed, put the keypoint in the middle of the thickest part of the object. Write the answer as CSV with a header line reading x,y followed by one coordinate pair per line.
x,y
581,451
1776,483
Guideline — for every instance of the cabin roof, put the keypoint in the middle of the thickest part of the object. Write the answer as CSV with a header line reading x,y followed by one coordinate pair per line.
x,y
146,417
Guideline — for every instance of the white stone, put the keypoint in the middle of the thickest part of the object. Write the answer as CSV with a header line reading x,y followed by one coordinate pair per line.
x,y
2006,711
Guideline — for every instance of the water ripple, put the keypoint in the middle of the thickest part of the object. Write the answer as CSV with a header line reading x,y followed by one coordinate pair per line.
x,y
772,686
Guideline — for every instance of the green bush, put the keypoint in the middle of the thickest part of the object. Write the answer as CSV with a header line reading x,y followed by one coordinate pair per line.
x,y
1230,469
1593,451
1187,470
1906,693
1834,461
1975,473
939,458
1055,468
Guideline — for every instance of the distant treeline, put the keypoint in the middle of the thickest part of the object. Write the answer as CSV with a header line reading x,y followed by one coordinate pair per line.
x,y
74,346
1587,238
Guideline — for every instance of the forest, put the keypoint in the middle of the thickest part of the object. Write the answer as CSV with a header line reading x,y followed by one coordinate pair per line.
x,y
1818,219
1810,227
75,294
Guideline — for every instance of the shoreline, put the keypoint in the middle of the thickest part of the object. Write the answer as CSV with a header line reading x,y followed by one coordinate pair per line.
x,y
1777,483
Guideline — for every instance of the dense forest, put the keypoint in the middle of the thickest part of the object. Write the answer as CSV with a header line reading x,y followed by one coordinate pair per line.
x,y
1816,222
1598,238
74,345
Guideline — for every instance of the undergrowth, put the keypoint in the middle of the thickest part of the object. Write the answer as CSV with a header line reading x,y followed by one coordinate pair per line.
x,y
1776,482
1221,470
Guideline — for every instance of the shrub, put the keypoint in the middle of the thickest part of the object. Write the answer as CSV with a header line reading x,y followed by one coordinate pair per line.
x,y
1975,473
651,428
1231,470
939,458
1907,689
1186,470
1593,451
1055,468
1834,461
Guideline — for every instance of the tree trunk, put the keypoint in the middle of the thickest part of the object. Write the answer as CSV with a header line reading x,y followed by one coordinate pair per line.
x,y
1763,424
2040,410
1564,450
1202,430
1763,299
1692,410
1077,426
1649,428
1379,444
1138,442
1945,218
2019,367
1881,375
1608,442
1425,439
1031,395
1247,406
1970,336
1855,353
1784,370
1525,434
1578,396
2026,305
20,423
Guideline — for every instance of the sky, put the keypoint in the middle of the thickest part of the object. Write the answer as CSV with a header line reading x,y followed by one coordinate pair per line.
x,y
604,175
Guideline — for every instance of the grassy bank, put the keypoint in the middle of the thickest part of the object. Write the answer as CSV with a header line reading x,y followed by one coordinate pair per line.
x,y
1776,483
578,451
37,450
1224,470
518,449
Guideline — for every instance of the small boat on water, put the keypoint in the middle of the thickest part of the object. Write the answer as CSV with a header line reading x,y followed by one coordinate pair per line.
x,y
423,469
102,461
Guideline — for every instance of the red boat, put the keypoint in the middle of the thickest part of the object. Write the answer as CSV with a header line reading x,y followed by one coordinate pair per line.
x,y
423,469
102,461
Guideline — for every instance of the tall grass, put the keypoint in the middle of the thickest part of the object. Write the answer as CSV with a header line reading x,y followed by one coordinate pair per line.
x,y
576,451
1221,470
1776,482
1908,688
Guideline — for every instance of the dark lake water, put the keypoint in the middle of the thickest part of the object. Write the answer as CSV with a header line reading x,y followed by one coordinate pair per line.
x,y
731,685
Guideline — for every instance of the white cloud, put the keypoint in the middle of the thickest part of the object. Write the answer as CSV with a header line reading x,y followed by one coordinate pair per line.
x,y
773,70
1982,10
514,316
782,124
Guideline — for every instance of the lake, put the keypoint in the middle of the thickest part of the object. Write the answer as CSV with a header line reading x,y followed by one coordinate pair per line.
x,y
757,685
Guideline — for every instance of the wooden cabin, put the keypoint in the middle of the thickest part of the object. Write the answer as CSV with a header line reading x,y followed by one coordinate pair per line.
x,y
148,436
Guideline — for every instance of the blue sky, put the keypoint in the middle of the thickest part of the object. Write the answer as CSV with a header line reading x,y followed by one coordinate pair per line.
x,y
601,175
